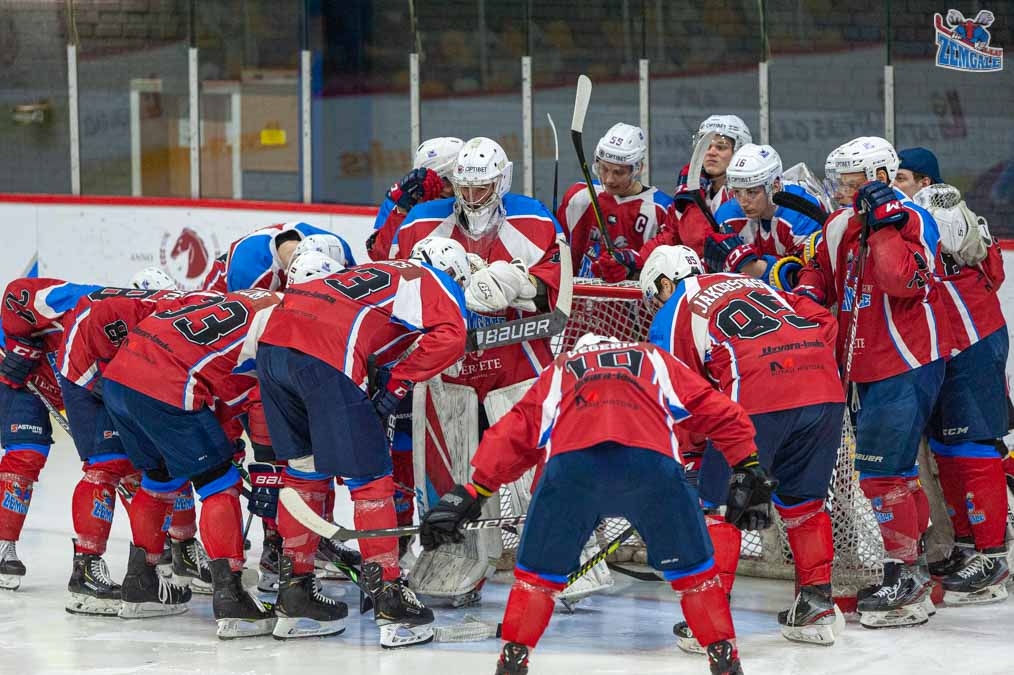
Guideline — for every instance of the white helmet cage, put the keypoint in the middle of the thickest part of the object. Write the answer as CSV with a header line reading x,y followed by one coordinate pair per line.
x,y
153,279
327,244
589,339
310,265
439,154
482,163
446,255
753,166
866,154
673,263
623,144
730,126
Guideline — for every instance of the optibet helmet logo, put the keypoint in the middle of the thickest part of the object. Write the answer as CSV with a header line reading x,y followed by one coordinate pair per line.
x,y
963,44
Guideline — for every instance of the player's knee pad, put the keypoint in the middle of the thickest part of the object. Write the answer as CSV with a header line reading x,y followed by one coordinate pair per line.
x,y
25,461
551,584
215,480
371,489
110,469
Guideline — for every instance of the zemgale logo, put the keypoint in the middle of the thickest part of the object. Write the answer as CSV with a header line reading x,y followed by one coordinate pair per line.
x,y
963,44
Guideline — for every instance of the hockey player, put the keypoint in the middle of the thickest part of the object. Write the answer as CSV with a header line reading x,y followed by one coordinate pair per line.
x,y
259,259
604,416
430,178
313,367
632,212
751,341
970,418
896,355
170,388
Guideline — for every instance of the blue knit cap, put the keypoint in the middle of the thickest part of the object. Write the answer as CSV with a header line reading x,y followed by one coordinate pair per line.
x,y
920,160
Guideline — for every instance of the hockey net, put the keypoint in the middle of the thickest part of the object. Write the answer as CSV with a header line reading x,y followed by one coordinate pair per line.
x,y
619,310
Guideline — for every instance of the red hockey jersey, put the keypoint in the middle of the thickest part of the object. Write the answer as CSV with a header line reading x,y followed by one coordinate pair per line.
x,y
766,350
631,393
969,296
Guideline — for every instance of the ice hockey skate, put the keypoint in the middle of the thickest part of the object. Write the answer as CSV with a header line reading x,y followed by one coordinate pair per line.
x,y
685,639
332,556
11,568
91,590
268,568
813,617
513,660
145,594
954,561
402,618
190,566
238,613
982,579
897,602
722,659
302,609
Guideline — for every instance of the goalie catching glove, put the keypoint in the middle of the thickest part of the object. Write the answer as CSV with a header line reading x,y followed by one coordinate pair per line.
x,y
441,525
750,488
964,235
501,285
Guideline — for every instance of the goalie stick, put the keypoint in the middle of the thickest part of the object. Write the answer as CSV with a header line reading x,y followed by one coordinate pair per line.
x,y
556,163
581,99
800,204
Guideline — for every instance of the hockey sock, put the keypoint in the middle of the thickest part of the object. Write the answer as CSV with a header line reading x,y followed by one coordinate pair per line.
x,y
982,498
705,606
19,469
94,502
808,528
404,476
222,526
922,505
952,485
184,521
529,608
725,539
373,505
897,514
298,542
329,502
148,512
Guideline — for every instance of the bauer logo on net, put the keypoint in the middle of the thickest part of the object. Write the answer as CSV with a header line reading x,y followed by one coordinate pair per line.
x,y
963,44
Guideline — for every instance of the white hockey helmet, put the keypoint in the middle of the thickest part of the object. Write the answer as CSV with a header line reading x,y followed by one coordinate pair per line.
x,y
623,144
754,165
481,163
730,126
673,263
589,339
153,279
446,255
439,154
866,154
310,265
327,244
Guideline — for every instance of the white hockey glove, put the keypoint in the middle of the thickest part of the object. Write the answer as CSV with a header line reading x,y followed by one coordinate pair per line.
x,y
962,234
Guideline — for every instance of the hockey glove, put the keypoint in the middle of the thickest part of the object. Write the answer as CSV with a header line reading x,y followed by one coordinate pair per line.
x,y
682,196
440,524
22,355
748,506
387,398
810,247
881,206
616,266
418,185
727,252
783,273
266,482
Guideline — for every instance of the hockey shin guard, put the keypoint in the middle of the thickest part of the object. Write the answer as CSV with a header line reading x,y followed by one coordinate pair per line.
x,y
897,514
149,510
298,542
373,502
726,539
952,484
19,469
94,502
808,528
980,493
184,521
529,608
222,526
705,606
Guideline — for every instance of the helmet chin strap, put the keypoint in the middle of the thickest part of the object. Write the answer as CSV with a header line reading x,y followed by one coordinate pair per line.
x,y
465,224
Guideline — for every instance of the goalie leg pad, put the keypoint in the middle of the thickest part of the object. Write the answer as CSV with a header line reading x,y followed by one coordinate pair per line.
x,y
298,542
896,513
529,606
373,503
704,602
808,528
975,488
94,501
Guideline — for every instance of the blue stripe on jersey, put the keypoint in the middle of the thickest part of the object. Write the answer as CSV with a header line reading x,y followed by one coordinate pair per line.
x,y
673,575
662,326
62,298
520,206
306,229
555,578
800,224
437,209
249,261
383,213
661,199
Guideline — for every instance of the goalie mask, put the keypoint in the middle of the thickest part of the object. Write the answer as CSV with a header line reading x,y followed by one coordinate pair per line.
x,y
623,144
754,166
439,154
446,255
481,178
866,155
670,262
730,126
327,244
310,265
153,279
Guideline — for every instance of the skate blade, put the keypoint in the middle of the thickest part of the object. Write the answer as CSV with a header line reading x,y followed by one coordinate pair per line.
x,y
398,635
86,605
230,629
903,617
150,610
197,586
990,594
817,633
472,630
928,606
290,628
10,582
268,582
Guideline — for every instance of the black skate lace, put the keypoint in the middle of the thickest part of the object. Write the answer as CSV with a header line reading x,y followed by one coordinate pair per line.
x,y
100,571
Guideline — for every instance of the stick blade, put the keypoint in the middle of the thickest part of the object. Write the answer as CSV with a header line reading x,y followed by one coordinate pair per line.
x,y
305,515
581,99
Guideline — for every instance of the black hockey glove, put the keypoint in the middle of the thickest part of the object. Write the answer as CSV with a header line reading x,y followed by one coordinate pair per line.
x,y
388,397
440,524
748,506
22,355
881,206
266,483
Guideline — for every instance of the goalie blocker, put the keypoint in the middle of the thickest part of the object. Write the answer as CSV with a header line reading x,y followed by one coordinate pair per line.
x,y
615,406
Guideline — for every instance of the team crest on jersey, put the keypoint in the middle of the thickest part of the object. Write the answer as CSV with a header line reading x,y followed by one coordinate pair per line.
x,y
17,499
187,257
963,44
975,515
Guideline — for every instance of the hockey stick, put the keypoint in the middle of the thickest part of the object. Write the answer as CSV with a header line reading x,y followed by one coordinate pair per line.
x,y
53,412
310,519
694,178
856,295
581,99
531,327
556,162
800,204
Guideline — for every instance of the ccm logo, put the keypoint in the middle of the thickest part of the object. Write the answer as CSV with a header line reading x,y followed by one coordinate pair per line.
x,y
955,431
266,480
